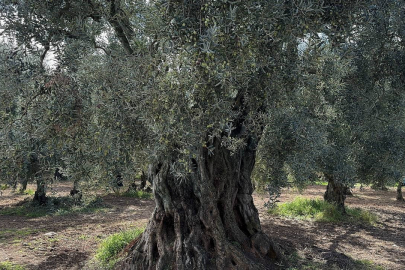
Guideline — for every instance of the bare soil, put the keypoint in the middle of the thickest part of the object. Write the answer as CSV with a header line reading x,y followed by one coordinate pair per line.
x,y
70,241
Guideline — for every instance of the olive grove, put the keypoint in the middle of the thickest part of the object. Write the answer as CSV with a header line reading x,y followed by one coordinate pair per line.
x,y
200,90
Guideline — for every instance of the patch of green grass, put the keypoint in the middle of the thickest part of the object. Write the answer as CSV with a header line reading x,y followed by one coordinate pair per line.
x,y
27,192
22,232
16,234
321,183
95,205
4,186
362,216
320,210
83,237
137,194
113,244
25,211
55,206
367,265
10,266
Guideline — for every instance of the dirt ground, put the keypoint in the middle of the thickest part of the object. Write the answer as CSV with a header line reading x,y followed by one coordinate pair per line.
x,y
70,241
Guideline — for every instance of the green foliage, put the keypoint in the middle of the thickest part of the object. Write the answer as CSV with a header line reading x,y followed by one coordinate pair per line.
x,y
114,244
314,87
322,211
298,85
6,265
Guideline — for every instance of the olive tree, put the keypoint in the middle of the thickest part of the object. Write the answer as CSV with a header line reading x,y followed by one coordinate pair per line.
x,y
359,108
204,85
376,112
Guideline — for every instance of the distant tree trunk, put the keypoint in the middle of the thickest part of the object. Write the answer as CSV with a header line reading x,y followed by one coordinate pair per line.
x,y
149,175
143,181
399,192
347,191
40,193
75,192
335,193
208,221
35,172
24,184
380,185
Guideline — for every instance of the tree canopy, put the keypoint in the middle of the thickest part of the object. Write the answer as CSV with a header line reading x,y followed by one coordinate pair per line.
x,y
200,90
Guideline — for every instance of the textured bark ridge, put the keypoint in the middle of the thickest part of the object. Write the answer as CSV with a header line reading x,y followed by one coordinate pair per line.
x,y
206,222
335,193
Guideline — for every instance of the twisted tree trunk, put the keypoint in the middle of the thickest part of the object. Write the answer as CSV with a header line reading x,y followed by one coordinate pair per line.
x,y
335,193
206,222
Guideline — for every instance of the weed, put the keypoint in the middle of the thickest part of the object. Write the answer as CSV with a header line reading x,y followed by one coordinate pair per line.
x,y
16,234
137,194
10,266
113,244
367,265
24,210
321,183
27,192
83,237
320,210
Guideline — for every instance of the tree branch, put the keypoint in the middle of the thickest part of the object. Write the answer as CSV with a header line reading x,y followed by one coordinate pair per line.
x,y
47,47
121,25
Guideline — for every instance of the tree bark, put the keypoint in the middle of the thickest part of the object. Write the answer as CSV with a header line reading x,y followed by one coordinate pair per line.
x,y
347,191
143,181
76,192
399,192
335,193
206,222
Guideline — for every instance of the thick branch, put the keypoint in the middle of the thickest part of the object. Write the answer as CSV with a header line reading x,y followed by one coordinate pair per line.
x,y
121,25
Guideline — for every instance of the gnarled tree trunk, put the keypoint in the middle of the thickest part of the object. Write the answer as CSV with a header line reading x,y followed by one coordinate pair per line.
x,y
335,193
399,192
206,222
